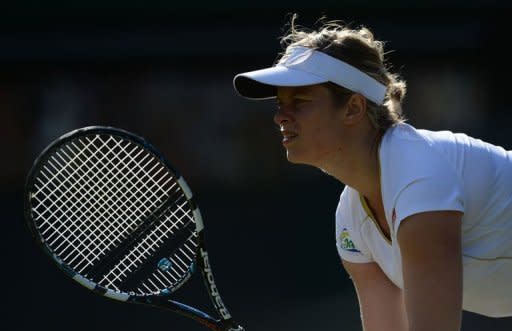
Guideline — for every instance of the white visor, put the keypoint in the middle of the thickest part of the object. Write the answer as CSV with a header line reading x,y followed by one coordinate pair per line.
x,y
302,66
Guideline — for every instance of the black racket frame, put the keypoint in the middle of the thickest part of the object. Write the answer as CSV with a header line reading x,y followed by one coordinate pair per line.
x,y
162,299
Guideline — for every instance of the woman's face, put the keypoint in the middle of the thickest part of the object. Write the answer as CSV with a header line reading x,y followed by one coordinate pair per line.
x,y
311,124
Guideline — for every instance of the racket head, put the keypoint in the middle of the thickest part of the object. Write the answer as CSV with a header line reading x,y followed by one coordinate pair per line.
x,y
113,214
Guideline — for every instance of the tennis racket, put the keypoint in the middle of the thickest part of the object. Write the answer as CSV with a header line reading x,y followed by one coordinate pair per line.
x,y
116,217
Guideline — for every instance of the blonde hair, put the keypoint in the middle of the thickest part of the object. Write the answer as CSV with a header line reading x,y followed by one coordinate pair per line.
x,y
358,48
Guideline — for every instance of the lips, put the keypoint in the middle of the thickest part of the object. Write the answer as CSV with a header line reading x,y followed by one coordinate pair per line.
x,y
288,136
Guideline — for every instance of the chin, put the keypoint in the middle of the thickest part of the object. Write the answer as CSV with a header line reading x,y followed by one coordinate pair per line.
x,y
303,158
295,159
290,157
291,160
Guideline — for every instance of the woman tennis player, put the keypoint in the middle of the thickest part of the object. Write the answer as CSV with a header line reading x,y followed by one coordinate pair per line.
x,y
424,223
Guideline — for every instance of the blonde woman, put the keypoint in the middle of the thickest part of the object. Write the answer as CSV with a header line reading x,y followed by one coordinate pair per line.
x,y
424,223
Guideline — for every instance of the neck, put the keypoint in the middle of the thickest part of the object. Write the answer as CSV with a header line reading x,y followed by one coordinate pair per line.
x,y
358,166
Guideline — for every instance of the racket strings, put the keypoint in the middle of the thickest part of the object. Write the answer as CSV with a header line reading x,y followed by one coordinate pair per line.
x,y
181,261
94,193
90,210
93,209
106,184
73,200
177,217
71,183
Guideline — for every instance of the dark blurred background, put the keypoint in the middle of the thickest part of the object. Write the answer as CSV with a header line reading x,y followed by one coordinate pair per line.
x,y
164,70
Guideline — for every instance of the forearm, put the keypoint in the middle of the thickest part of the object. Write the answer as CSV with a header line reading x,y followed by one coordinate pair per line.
x,y
441,322
389,316
381,303
433,305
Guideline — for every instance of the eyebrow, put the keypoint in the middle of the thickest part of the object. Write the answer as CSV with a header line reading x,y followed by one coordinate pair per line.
x,y
297,91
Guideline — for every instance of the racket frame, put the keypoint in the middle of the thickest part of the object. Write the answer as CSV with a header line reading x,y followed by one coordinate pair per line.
x,y
163,298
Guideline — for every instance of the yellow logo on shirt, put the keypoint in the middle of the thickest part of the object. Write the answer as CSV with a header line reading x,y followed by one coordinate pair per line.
x,y
347,243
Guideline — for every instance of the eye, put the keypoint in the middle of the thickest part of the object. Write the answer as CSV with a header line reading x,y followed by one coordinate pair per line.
x,y
298,101
292,103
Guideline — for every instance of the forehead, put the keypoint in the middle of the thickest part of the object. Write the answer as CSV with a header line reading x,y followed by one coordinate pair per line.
x,y
310,90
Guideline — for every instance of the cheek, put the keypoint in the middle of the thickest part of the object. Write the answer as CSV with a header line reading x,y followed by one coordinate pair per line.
x,y
327,131
322,142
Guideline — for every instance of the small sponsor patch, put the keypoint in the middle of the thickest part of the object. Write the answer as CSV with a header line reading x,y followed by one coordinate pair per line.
x,y
347,243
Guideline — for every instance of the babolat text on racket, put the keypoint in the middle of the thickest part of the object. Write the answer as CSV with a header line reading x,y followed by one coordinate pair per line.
x,y
116,217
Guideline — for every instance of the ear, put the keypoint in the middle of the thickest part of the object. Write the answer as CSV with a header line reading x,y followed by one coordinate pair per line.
x,y
355,109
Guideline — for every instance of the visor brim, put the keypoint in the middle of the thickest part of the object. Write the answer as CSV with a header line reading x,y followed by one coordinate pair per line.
x,y
261,84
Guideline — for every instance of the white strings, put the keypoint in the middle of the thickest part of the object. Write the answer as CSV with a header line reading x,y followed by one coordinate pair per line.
x,y
93,192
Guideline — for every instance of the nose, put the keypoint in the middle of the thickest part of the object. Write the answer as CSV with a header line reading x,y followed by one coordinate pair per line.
x,y
281,116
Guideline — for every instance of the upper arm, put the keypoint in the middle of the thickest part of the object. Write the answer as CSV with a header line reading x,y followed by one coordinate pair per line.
x,y
430,246
380,301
